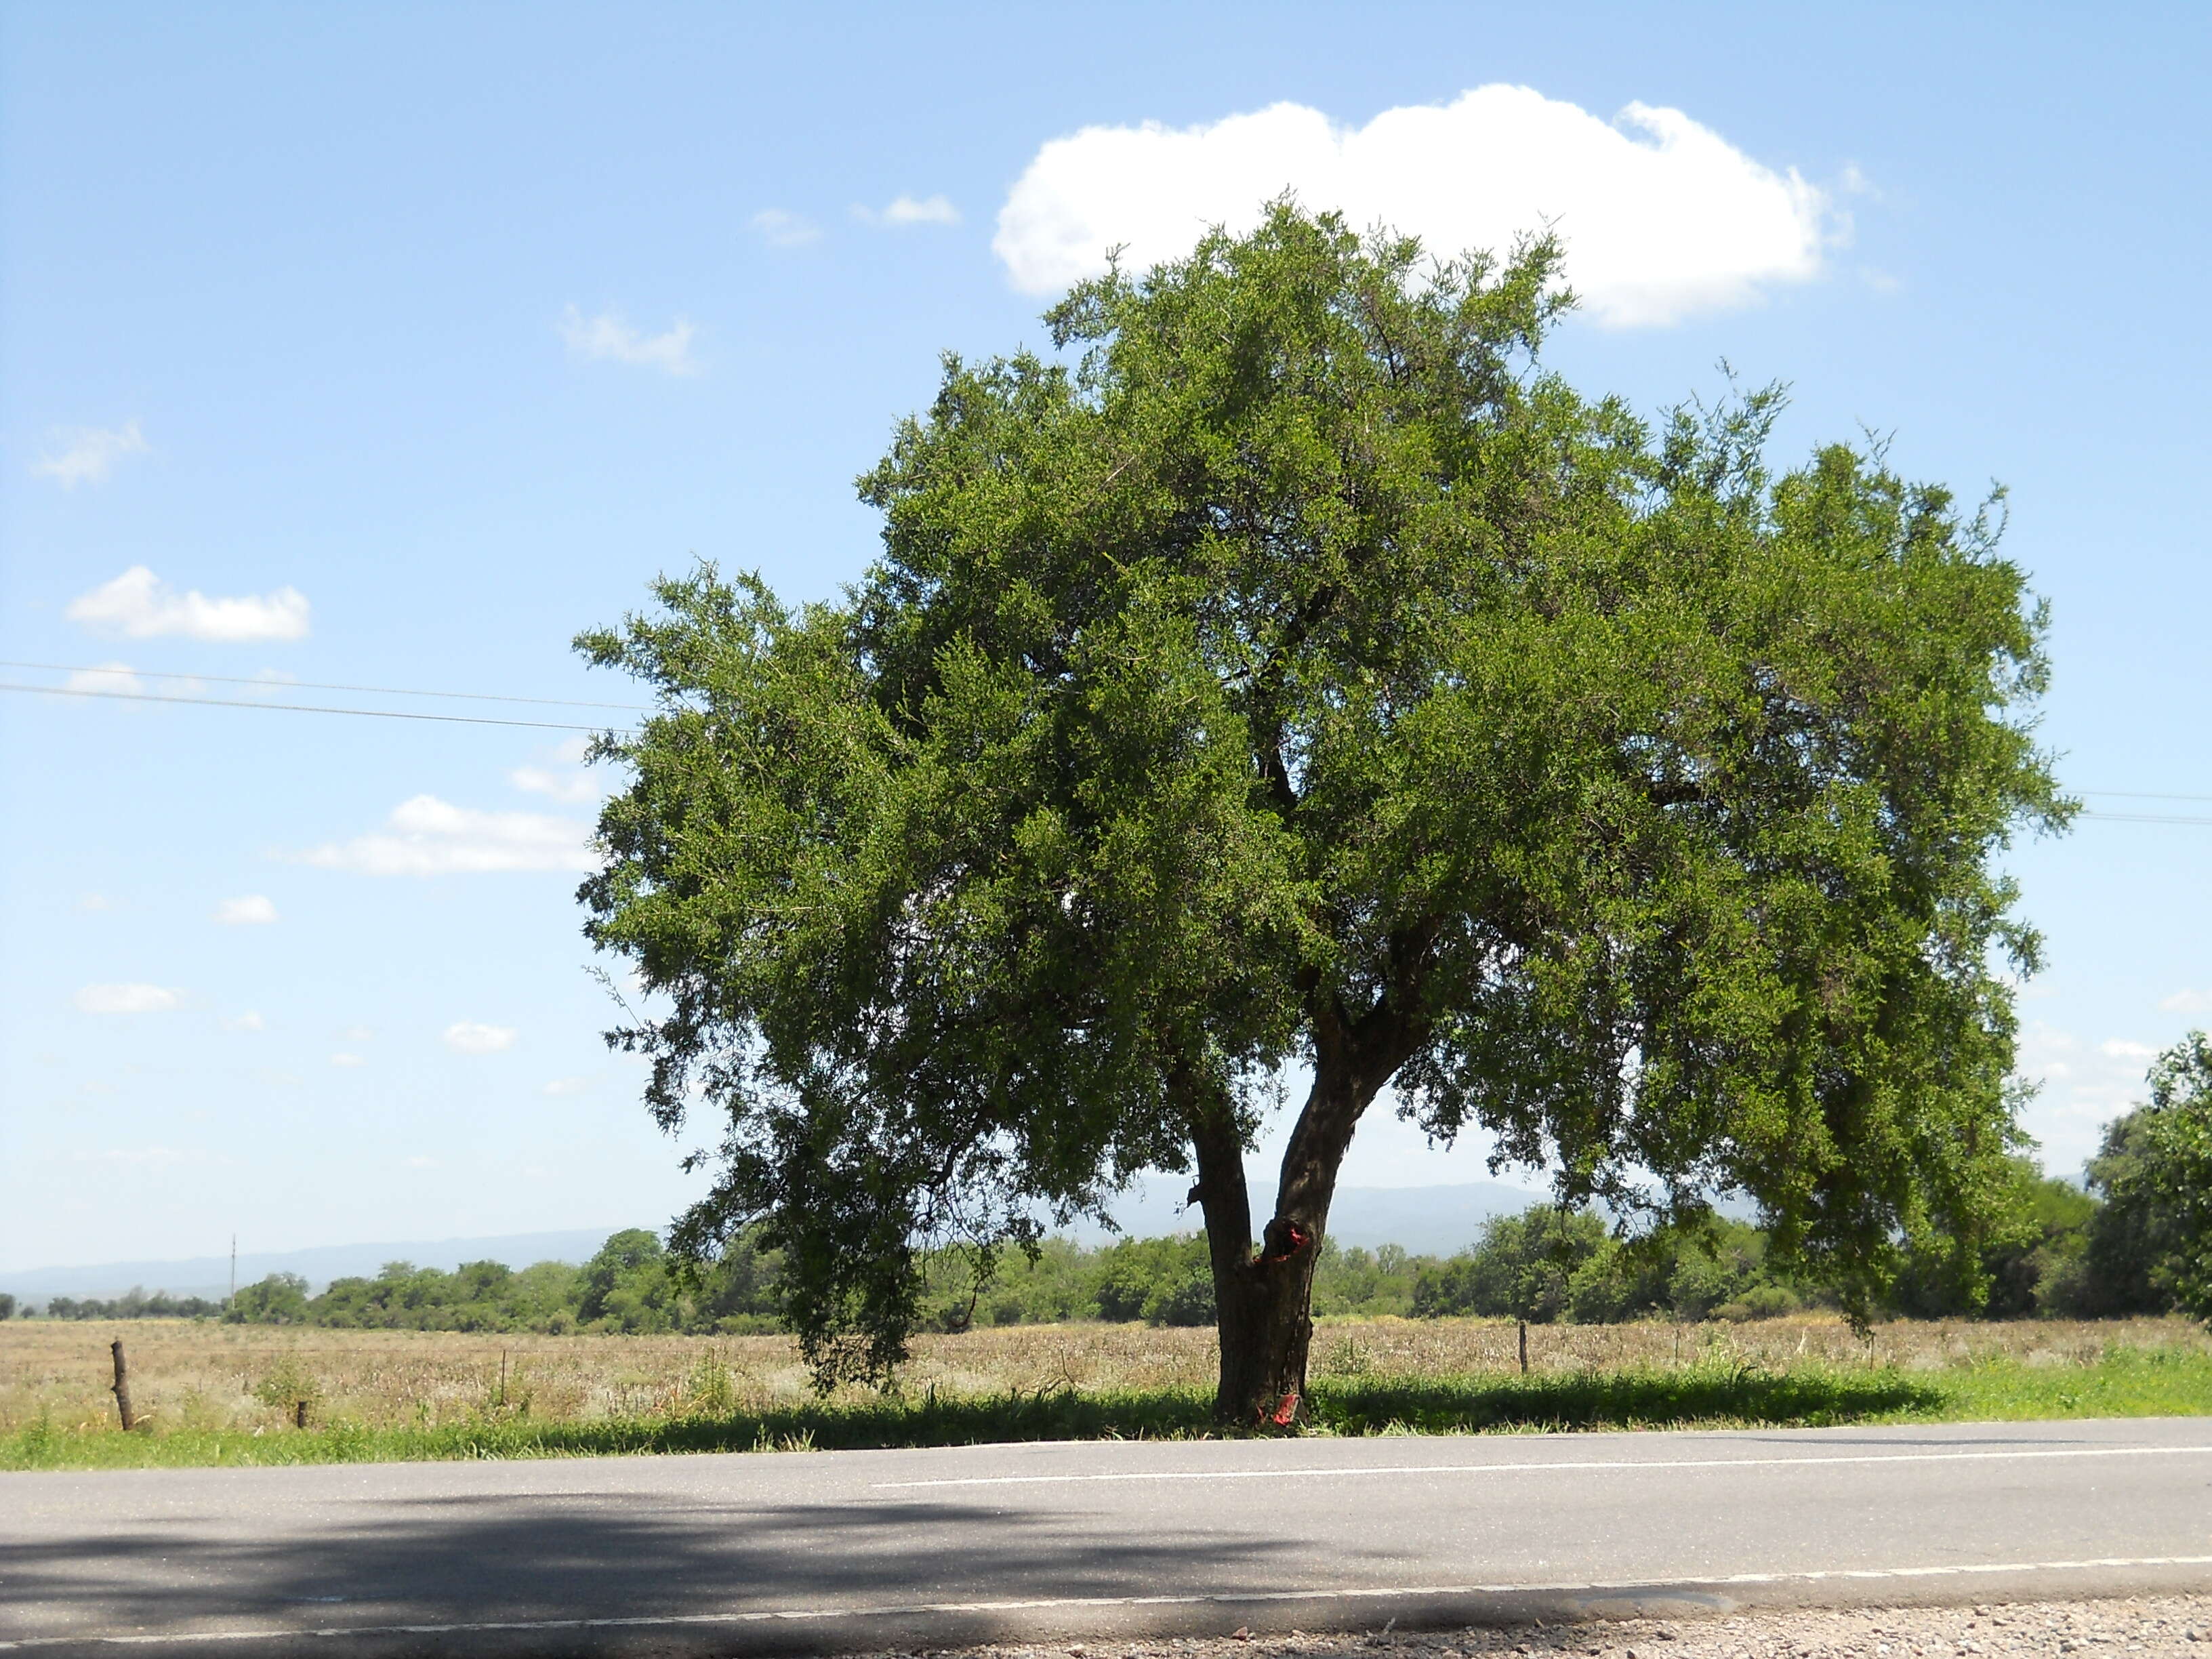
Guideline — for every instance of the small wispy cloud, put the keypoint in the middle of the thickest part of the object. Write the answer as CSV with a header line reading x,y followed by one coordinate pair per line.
x,y
155,1157
97,902
2187,1002
572,786
141,606
248,1021
109,679
89,453
779,229
426,837
2121,1048
911,210
347,1062
127,1000
466,1037
254,910
609,339
567,1085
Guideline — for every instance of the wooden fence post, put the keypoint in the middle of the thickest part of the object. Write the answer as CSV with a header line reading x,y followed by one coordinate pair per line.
x,y
1524,1347
122,1388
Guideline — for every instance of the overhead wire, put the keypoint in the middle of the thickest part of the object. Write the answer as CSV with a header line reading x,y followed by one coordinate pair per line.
x,y
2189,819
294,707
316,685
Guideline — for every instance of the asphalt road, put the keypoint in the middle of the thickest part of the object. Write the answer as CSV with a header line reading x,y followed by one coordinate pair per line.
x,y
826,1552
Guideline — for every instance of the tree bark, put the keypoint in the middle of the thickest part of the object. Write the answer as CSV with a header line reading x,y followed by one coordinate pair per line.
x,y
1265,1297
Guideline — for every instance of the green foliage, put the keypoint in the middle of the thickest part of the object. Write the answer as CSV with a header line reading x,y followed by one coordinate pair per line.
x,y
1294,670
1354,1280
1162,1281
133,1304
289,1386
1547,1264
6,1307
2026,1259
2150,1245
1523,1268
279,1299
477,1296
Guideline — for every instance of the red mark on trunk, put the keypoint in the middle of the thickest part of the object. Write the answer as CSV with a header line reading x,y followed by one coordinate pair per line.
x,y
1287,1412
1284,1240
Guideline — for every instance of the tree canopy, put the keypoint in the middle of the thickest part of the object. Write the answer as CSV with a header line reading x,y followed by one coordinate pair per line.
x,y
1289,672
2150,1243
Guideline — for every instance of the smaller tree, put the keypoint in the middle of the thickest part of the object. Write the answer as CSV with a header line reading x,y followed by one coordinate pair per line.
x,y
289,1387
279,1299
2150,1245
1524,1267
627,1286
6,1307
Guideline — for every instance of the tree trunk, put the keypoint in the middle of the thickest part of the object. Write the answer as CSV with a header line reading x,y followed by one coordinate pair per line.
x,y
1266,1324
1265,1297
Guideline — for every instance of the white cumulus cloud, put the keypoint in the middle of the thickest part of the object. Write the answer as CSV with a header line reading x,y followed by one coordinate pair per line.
x,y
127,1000
780,228
2187,1002
89,453
911,210
252,911
426,837
465,1037
607,337
141,605
1662,216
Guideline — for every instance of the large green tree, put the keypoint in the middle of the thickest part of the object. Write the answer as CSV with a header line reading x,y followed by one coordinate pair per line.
x,y
2150,1242
1289,678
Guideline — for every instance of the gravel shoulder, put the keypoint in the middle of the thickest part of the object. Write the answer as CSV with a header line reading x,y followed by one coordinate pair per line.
x,y
2149,1624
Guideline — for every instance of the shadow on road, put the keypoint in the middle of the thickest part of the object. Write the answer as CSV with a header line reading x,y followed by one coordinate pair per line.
x,y
604,1555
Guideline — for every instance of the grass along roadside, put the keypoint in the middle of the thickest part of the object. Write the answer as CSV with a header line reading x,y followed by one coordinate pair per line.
x,y
1714,1389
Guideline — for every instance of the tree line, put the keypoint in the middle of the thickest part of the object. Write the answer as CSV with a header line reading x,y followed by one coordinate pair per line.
x,y
2137,1241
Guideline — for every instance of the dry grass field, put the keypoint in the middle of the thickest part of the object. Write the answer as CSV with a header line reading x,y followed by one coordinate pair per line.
x,y
194,1378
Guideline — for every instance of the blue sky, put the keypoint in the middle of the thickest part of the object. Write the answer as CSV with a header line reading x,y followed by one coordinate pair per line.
x,y
389,346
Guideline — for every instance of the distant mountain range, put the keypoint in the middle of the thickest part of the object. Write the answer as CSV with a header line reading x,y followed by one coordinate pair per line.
x,y
1426,1220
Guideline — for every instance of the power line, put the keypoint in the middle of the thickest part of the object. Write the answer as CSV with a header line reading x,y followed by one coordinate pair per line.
x,y
320,685
2147,817
293,708
557,725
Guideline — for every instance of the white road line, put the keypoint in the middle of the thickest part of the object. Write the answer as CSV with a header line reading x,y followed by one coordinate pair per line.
x,y
1235,1598
1622,1466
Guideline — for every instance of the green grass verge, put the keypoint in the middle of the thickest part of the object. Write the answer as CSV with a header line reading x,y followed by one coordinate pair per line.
x,y
2124,1382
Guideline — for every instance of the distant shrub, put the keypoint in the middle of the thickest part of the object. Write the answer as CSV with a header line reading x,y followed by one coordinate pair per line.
x,y
290,1388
